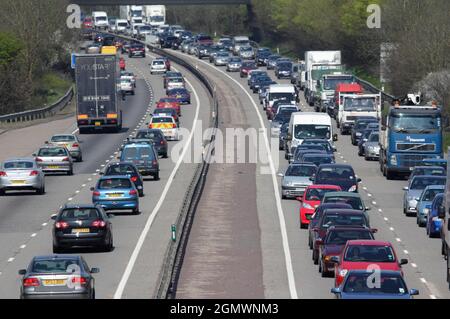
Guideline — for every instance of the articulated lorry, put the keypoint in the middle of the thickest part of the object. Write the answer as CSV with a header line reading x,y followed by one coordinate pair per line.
x,y
318,63
409,134
98,106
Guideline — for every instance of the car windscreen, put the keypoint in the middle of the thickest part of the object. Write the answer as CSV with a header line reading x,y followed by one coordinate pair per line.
x,y
58,266
340,237
50,152
410,123
361,283
175,80
302,131
317,193
18,165
79,214
63,138
158,62
301,170
369,253
422,182
114,183
355,202
343,220
374,137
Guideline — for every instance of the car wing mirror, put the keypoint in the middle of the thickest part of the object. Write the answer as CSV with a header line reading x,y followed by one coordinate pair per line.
x,y
414,292
405,188
53,217
300,199
22,272
403,261
110,215
95,270
358,180
280,174
335,291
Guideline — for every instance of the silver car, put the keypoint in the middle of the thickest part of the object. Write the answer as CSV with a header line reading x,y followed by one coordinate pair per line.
x,y
296,179
71,142
53,158
158,66
234,64
58,277
372,147
21,174
247,53
221,59
414,190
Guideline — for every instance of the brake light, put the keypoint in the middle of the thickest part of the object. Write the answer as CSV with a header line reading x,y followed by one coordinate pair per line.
x,y
65,159
75,145
38,159
174,125
61,225
98,223
33,173
31,282
96,193
3,173
134,179
155,163
79,280
133,192
151,125
162,142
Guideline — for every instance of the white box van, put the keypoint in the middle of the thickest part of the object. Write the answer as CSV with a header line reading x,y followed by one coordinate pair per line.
x,y
308,125
100,20
277,92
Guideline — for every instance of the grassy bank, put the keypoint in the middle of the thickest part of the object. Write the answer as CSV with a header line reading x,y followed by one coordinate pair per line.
x,y
50,87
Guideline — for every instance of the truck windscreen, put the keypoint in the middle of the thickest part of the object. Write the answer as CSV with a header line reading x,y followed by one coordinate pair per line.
x,y
415,123
360,104
330,84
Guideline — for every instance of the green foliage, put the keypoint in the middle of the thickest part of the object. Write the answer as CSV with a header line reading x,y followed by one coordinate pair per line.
x,y
10,48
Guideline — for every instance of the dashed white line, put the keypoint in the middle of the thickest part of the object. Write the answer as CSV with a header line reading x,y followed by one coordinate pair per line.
x,y
386,219
11,259
406,252
69,199
413,265
380,210
374,202
22,246
398,239
433,297
44,224
391,228
33,235
423,280
370,195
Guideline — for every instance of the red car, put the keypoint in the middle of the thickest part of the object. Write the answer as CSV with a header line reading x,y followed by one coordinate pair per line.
x,y
169,102
87,23
311,199
334,242
246,67
360,254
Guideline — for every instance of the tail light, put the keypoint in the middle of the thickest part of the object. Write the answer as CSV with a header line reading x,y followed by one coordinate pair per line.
x,y
134,179
33,173
133,192
162,142
38,159
150,126
75,145
79,280
61,225
65,159
174,125
3,173
98,223
96,193
31,282
155,163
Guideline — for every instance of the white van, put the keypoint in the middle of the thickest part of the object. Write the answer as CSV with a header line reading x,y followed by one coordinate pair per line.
x,y
277,92
308,125
100,19
121,25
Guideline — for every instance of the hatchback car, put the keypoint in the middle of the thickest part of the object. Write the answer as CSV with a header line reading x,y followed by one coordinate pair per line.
x,y
174,83
360,254
54,158
181,95
159,141
338,174
221,58
21,173
363,140
116,192
414,190
234,64
296,179
169,102
167,112
424,203
71,142
170,74
81,226
359,127
58,277
129,169
318,158
434,222
158,66
246,67
355,286
372,147
311,199
427,170
353,199
136,49
145,158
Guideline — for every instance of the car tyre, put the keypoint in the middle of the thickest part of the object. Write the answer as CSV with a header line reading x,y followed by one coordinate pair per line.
x,y
303,225
41,191
70,173
2,192
315,257
136,211
156,176
141,193
56,249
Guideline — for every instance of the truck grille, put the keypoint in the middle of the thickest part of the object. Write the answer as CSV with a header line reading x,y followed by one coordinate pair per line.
x,y
416,147
411,160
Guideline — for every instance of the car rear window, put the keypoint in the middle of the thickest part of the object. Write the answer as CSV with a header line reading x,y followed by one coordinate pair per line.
x,y
389,284
355,202
158,62
18,165
114,183
55,266
134,153
343,220
301,170
317,193
336,173
151,135
122,169
63,138
79,213
162,120
50,152
340,237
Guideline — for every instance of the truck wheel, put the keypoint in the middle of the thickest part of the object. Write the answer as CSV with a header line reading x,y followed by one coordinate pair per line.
x,y
389,174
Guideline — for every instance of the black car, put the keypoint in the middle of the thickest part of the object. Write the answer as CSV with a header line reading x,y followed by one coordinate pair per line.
x,y
282,137
136,49
318,158
203,50
363,139
80,226
300,149
359,127
261,56
337,174
159,141
167,41
129,169
255,81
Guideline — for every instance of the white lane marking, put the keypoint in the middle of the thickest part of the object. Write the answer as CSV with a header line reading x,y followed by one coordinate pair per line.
x,y
33,235
69,199
287,252
413,265
84,185
89,179
380,210
391,228
74,131
44,224
398,239
423,280
374,202
22,246
365,188
151,217
406,252
11,259
77,191
370,195
433,297
386,219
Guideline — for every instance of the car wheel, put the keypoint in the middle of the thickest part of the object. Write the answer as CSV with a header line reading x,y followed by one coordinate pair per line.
x,y
2,192
389,174
70,173
366,158
80,158
141,193
303,226
310,242
132,93
156,177
56,249
41,191
165,155
136,211
93,294
109,247
315,257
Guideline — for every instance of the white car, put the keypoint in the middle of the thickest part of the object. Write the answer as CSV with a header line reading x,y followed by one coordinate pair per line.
x,y
158,66
128,75
175,83
126,86
167,125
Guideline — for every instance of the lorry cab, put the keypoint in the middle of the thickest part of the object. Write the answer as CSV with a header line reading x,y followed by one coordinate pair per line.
x,y
352,106
308,125
326,87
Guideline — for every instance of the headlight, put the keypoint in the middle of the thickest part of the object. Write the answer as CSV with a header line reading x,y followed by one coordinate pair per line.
x,y
352,189
426,211
358,134
307,206
343,272
393,160
288,184
412,203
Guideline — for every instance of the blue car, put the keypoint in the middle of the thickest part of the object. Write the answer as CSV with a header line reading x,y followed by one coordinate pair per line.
x,y
425,200
182,95
116,192
358,285
434,223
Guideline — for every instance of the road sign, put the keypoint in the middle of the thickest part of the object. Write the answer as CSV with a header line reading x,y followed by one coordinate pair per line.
x,y
72,61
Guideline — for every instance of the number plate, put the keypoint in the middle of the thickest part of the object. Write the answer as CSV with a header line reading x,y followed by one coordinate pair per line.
x,y
54,282
98,123
80,230
115,195
18,182
53,166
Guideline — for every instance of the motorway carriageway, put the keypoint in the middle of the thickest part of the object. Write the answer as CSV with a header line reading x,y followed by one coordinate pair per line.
x,y
131,270
273,260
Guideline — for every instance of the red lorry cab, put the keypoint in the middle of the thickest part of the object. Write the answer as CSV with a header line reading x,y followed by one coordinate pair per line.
x,y
347,88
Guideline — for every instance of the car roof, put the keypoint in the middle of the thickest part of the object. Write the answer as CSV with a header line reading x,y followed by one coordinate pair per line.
x,y
347,194
149,130
16,159
114,177
346,227
57,256
435,187
329,206
428,176
302,164
83,205
335,166
317,154
382,271
137,144
345,211
361,242
323,186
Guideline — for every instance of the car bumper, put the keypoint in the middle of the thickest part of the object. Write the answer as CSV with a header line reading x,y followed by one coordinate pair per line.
x,y
162,150
327,266
55,167
170,134
435,227
306,215
234,69
75,153
29,183
41,296
147,170
80,239
139,53
372,154
293,191
117,204
411,210
158,70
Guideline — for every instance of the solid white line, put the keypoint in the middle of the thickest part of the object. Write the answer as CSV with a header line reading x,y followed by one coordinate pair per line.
x,y
433,297
151,218
423,280
74,131
285,240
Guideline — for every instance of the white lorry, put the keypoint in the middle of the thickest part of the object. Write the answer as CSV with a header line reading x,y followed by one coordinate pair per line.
x,y
155,15
357,105
100,20
317,60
